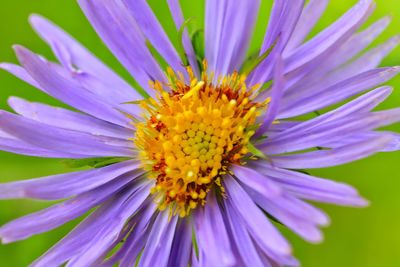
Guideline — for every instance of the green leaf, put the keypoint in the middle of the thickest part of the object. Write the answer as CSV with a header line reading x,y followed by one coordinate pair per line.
x,y
93,162
256,152
246,70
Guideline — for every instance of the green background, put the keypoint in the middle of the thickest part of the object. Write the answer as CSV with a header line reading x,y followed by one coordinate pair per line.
x,y
357,237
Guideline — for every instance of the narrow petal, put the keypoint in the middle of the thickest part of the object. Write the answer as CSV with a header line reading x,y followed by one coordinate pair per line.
x,y
242,238
65,185
309,17
255,180
73,55
350,49
263,232
20,73
211,235
159,243
59,214
226,49
67,119
120,32
332,130
360,105
96,232
102,242
339,92
154,32
20,147
182,245
61,86
366,62
276,94
179,20
331,36
283,20
57,139
332,157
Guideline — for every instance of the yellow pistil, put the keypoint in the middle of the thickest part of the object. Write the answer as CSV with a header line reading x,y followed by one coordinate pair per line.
x,y
192,133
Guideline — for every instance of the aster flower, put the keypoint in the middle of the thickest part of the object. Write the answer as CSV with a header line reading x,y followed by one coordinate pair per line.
x,y
199,169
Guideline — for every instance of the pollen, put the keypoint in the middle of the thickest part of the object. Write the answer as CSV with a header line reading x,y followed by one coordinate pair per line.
x,y
192,132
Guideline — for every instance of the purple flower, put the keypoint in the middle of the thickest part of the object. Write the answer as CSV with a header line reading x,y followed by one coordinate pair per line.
x,y
199,169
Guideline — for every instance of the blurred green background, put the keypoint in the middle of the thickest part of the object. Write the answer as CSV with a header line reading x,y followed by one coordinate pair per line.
x,y
357,237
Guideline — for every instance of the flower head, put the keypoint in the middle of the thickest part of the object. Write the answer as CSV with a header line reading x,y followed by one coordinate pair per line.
x,y
195,171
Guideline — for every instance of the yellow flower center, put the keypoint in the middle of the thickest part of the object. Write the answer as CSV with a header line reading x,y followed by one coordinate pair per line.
x,y
192,133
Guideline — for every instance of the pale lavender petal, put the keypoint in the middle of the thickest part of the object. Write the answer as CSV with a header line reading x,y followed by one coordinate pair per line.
x,y
332,157
65,185
159,242
351,48
253,179
284,18
17,146
182,246
226,49
61,86
309,17
332,130
211,235
338,92
362,105
332,36
263,232
73,55
275,94
120,32
366,62
67,119
154,32
59,214
57,139
277,208
100,242
299,179
104,224
242,238
178,18
20,73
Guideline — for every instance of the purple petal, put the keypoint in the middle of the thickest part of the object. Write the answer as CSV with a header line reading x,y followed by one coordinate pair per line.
x,y
283,20
331,36
362,104
242,238
66,119
120,32
102,242
154,32
20,73
211,235
178,18
60,85
332,157
338,92
90,237
73,55
309,17
263,232
276,94
65,185
159,242
57,139
226,49
253,179
59,214
332,130
182,246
